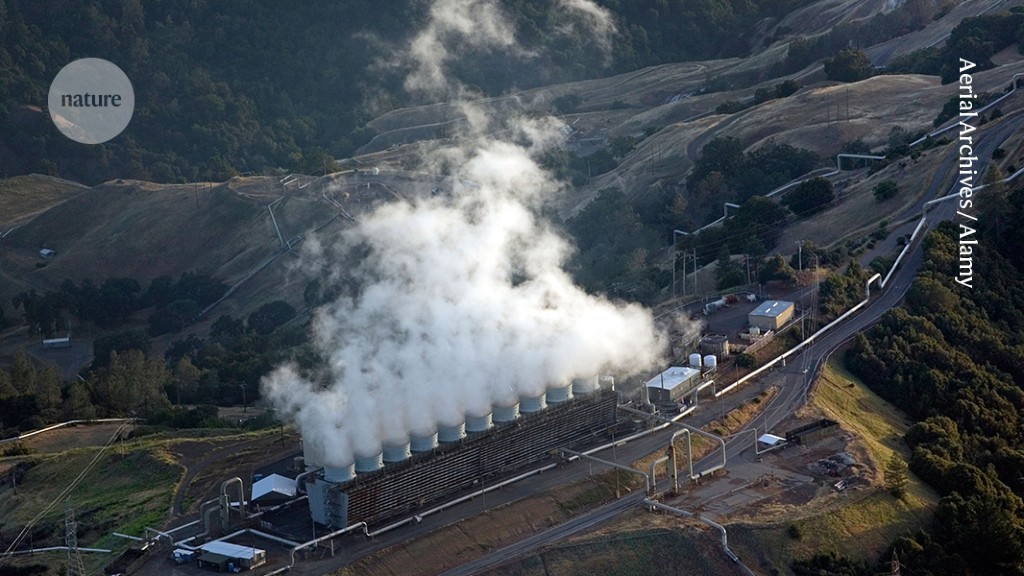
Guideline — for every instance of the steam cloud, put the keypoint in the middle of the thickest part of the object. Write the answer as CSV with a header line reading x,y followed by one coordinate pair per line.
x,y
460,302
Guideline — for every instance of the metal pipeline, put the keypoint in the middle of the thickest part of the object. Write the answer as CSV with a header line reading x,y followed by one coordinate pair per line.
x,y
647,479
725,538
300,486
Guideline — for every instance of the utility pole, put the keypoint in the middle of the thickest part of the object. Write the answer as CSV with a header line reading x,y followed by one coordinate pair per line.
x,y
800,251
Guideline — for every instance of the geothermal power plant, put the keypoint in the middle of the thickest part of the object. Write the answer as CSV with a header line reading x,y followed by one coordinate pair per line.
x,y
405,476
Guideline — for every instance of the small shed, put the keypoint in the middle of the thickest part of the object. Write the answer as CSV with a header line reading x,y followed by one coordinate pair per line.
x,y
771,314
47,253
771,440
672,384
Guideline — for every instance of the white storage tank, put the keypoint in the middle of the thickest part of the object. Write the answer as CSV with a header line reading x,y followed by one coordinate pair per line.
x,y
695,360
369,463
423,442
338,474
397,452
559,394
607,382
506,413
532,404
710,362
476,424
449,433
581,386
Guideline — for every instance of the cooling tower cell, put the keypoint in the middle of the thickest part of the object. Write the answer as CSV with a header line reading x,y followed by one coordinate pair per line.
x,y
695,360
559,394
710,362
340,473
451,433
582,386
479,423
369,463
397,452
531,404
423,442
608,382
506,413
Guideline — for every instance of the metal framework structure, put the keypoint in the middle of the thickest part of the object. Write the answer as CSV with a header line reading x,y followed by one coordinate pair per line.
x,y
75,566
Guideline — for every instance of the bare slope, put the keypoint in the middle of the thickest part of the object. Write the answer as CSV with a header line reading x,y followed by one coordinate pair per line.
x,y
144,230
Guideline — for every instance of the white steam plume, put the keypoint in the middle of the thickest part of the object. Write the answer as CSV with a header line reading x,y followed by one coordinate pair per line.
x,y
454,303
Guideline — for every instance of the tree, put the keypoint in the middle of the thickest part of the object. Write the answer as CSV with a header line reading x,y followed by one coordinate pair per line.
x,y
776,268
809,197
848,65
896,478
885,190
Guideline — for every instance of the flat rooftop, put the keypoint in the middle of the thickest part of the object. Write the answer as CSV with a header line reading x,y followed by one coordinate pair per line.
x,y
672,377
771,308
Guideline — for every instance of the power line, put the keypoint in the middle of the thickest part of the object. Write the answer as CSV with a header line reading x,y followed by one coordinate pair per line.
x,y
64,493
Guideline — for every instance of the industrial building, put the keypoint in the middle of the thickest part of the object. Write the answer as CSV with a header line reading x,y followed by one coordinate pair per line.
x,y
401,479
771,314
673,384
716,344
225,556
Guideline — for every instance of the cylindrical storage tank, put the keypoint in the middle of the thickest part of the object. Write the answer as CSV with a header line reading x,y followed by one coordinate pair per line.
x,y
340,473
608,382
369,463
710,362
451,433
423,442
299,464
397,452
694,360
755,331
479,423
582,386
531,404
559,394
506,413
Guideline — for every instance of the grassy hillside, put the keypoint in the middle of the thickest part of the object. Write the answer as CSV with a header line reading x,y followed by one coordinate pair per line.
x,y
859,524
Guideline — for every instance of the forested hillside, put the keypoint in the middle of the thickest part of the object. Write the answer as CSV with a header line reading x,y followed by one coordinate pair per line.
x,y
256,85
954,360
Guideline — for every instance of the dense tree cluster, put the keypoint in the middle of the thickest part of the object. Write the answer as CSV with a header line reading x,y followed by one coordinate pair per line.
x,y
725,173
175,303
975,39
953,359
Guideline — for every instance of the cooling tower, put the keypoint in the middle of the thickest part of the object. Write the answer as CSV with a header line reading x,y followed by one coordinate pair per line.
x,y
479,423
504,414
532,404
423,442
451,433
397,452
339,473
581,386
370,463
559,394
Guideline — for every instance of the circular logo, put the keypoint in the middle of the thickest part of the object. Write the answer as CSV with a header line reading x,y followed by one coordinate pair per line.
x,y
91,100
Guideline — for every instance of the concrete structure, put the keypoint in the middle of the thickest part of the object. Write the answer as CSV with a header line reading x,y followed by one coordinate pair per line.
x,y
771,314
672,384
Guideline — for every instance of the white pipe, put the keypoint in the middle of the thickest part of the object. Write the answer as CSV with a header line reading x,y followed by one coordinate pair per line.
x,y
647,479
127,537
53,549
725,537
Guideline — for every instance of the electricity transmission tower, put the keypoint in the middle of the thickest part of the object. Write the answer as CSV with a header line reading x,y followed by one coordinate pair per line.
x,y
75,567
